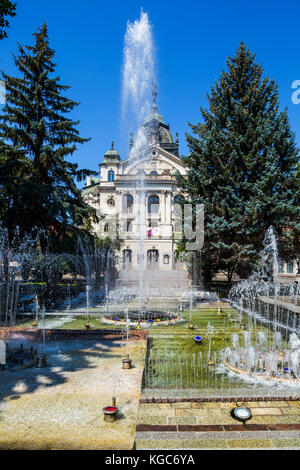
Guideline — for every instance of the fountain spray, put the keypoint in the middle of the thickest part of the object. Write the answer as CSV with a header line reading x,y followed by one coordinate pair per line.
x,y
138,78
87,323
126,363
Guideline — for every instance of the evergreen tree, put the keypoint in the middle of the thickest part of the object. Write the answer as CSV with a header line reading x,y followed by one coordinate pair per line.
x,y
242,168
7,8
37,182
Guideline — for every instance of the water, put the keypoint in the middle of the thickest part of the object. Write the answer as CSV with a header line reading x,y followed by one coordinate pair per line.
x,y
30,277
260,298
138,79
243,350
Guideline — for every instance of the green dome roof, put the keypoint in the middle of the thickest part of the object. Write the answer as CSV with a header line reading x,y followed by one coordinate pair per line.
x,y
112,154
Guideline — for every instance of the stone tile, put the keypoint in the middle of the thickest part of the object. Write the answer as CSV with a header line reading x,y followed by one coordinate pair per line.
x,y
289,419
180,444
156,412
266,419
249,443
291,410
294,403
266,404
184,412
286,443
153,420
200,428
181,405
265,411
226,406
251,404
284,427
211,405
282,403
155,428
182,420
198,405
211,419
173,436
197,412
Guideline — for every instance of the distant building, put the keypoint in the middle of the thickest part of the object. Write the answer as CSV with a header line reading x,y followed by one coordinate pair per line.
x,y
117,193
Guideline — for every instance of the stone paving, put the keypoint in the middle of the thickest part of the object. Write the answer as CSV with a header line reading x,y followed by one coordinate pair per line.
x,y
190,425
60,407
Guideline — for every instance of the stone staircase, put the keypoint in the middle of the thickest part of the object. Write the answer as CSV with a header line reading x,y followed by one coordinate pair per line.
x,y
155,280
192,425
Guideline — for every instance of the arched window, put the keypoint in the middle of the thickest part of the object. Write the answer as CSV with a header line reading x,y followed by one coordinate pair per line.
x,y
111,176
106,228
128,203
153,204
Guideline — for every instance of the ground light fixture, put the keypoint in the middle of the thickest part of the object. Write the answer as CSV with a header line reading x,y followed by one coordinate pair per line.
x,y
198,339
241,413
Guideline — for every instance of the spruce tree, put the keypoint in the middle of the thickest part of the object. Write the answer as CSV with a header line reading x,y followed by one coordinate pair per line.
x,y
7,8
37,183
242,168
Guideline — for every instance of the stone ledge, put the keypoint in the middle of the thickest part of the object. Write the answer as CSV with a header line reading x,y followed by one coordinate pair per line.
x,y
219,399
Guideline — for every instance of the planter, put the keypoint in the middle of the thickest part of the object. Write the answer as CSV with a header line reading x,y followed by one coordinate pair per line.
x,y
191,326
87,326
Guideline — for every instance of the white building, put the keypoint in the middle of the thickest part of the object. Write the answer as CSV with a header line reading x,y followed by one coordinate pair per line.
x,y
118,195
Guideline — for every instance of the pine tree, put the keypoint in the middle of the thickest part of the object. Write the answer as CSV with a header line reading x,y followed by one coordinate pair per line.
x,y
37,183
7,8
242,167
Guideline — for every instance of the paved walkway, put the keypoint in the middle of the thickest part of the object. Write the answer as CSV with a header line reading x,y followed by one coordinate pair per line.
x,y
189,425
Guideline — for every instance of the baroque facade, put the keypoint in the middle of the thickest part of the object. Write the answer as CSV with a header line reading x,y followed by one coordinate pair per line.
x,y
119,196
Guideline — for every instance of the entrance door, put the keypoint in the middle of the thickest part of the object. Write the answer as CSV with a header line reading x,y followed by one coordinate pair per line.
x,y
127,259
152,259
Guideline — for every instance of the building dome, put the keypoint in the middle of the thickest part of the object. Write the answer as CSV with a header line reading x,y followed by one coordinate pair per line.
x,y
156,128
112,154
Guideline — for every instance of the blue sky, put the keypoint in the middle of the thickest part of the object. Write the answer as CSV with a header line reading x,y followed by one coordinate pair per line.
x,y
192,40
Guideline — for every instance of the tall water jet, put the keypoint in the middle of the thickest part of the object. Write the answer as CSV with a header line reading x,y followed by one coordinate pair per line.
x,y
138,79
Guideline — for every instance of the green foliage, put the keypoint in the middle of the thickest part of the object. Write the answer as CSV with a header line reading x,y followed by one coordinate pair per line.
x,y
7,8
37,182
242,167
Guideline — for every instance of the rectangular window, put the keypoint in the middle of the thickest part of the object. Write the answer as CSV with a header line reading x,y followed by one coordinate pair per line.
x,y
281,266
290,267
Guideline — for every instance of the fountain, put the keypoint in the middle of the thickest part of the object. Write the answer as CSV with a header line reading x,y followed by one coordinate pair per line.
x,y
274,358
126,363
